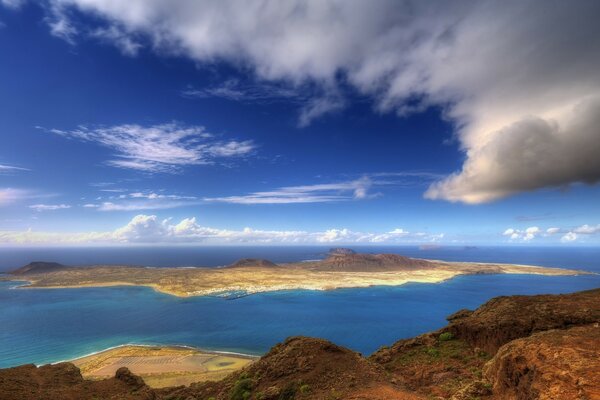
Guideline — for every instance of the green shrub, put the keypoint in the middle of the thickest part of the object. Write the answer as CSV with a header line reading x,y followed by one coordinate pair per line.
x,y
444,337
305,388
433,352
289,393
242,390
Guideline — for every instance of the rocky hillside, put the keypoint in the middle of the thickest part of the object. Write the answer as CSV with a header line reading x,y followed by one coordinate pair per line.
x,y
38,267
252,262
362,262
517,347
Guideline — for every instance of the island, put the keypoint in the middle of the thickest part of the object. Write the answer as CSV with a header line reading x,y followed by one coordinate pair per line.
x,y
340,269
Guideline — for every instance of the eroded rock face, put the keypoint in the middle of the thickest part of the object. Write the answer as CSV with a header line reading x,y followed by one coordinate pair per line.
x,y
556,364
64,381
506,318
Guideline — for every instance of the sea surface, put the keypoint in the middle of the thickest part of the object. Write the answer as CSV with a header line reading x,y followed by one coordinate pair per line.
x,y
49,325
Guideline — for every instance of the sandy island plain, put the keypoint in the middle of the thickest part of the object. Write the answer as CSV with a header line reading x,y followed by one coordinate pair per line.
x,y
254,276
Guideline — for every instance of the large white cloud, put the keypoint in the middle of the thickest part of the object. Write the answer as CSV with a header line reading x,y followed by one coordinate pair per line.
x,y
518,78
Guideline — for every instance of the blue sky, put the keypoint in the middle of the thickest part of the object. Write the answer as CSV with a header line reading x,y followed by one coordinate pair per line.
x,y
139,123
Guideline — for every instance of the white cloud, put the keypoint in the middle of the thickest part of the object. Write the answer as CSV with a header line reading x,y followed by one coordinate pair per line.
x,y
161,204
317,107
139,201
10,168
60,23
587,229
9,195
524,235
260,92
159,148
569,237
150,229
49,207
14,4
320,193
571,234
122,40
518,78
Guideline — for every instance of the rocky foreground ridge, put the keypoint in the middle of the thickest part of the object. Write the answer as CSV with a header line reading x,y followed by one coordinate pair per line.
x,y
515,347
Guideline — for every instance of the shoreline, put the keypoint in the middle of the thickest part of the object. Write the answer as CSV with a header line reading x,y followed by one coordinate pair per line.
x,y
162,346
161,365
236,282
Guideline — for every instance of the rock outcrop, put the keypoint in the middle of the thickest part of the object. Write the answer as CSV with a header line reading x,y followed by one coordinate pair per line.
x,y
38,267
555,364
506,318
362,262
64,381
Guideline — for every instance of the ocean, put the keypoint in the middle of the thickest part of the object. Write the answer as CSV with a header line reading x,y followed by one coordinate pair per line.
x,y
49,325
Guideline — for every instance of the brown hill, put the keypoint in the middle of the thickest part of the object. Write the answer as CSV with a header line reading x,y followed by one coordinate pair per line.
x,y
38,267
252,262
64,381
359,262
302,368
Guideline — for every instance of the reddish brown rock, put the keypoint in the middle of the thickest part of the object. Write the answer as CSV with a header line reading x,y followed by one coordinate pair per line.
x,y
506,318
304,368
64,381
556,364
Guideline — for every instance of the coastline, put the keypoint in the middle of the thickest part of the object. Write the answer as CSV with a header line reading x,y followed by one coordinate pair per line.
x,y
238,281
171,346
161,365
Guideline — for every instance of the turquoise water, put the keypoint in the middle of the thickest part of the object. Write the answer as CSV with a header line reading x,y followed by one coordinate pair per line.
x,y
48,325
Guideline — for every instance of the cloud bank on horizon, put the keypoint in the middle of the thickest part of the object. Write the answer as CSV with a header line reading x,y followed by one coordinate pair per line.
x,y
518,78
144,229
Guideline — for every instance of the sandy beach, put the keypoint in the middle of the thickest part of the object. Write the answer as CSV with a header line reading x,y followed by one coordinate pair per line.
x,y
162,366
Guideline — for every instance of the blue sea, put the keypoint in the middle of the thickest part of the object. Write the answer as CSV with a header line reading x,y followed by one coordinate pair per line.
x,y
48,325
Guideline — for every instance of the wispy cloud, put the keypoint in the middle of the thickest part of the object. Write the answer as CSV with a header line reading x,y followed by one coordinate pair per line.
x,y
320,193
160,148
139,201
60,24
313,102
10,195
49,207
151,229
255,92
11,168
355,189
14,4
122,40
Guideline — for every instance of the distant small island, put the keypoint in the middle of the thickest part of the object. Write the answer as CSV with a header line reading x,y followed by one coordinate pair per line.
x,y
342,268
